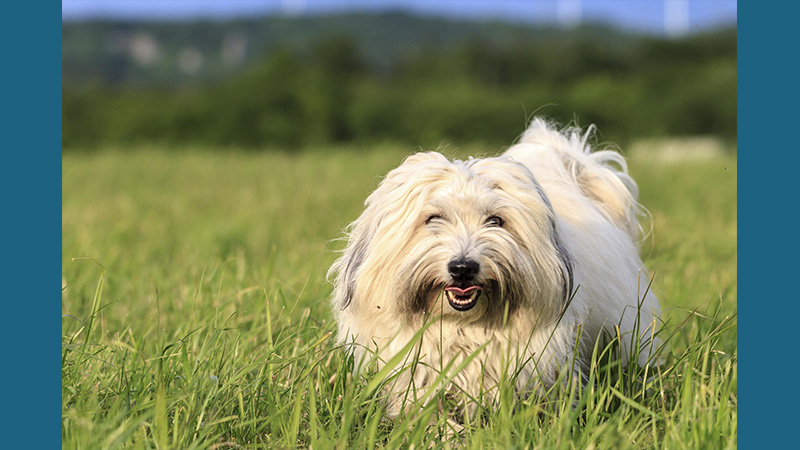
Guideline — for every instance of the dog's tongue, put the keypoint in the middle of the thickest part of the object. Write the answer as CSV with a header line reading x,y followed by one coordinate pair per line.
x,y
461,292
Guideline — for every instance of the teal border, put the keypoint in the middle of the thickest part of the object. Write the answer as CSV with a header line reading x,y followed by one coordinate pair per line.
x,y
30,37
767,225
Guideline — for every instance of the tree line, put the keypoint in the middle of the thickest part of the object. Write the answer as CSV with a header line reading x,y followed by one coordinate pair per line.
x,y
472,92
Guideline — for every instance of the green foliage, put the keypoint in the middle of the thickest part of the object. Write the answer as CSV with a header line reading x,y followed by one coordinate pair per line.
x,y
208,325
331,91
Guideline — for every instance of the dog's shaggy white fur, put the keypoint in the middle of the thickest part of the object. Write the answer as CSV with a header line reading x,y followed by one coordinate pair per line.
x,y
519,261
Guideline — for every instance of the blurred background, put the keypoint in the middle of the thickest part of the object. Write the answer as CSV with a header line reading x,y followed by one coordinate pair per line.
x,y
295,74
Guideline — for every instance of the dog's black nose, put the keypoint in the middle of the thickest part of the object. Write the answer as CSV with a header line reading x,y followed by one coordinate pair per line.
x,y
463,270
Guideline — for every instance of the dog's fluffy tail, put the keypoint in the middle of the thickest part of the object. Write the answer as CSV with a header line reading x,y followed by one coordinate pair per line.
x,y
602,175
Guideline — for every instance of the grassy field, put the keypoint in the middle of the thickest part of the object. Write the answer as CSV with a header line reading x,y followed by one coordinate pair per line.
x,y
196,313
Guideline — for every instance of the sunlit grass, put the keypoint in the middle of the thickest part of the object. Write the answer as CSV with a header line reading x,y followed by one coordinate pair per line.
x,y
203,321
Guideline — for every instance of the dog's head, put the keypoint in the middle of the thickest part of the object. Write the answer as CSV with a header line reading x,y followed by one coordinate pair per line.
x,y
471,240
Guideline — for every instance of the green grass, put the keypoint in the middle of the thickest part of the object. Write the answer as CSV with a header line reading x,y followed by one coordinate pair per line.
x,y
203,320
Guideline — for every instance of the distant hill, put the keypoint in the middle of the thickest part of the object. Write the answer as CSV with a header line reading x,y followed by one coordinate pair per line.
x,y
166,53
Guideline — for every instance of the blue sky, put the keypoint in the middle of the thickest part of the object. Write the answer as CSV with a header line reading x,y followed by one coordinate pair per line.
x,y
654,16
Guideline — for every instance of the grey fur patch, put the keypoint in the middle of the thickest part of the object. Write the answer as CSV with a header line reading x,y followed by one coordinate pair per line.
x,y
567,270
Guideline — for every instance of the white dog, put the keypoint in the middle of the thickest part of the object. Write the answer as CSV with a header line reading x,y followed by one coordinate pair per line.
x,y
519,262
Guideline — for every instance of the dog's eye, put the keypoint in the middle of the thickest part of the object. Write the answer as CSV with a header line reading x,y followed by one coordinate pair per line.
x,y
494,221
432,218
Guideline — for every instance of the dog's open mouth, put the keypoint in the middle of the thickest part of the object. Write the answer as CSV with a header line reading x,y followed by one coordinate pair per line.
x,y
462,299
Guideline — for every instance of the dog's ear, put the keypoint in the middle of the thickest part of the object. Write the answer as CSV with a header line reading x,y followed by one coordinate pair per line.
x,y
353,258
344,272
566,267
364,230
